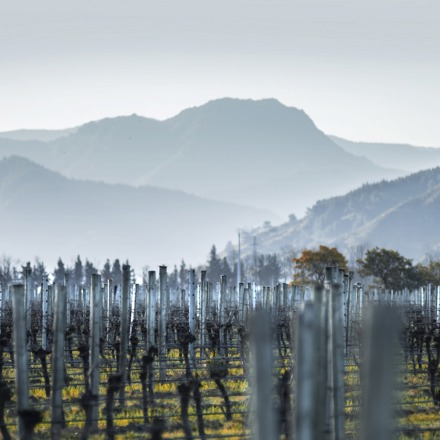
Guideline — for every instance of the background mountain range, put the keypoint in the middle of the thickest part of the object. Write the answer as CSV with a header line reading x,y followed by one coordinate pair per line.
x,y
47,215
401,156
158,191
257,153
401,214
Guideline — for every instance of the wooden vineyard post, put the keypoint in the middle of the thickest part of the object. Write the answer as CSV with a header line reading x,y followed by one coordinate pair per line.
x,y
57,420
68,285
436,303
105,311
210,292
348,287
133,308
222,314
110,306
307,363
192,315
182,299
265,422
244,303
151,327
292,296
320,398
117,296
277,299
338,368
379,374
95,335
247,301
144,300
27,272
203,311
241,302
285,295
21,367
151,317
124,332
270,304
45,312
75,300
254,296
81,299
163,306
50,305
330,425
2,305
145,316
433,301
356,307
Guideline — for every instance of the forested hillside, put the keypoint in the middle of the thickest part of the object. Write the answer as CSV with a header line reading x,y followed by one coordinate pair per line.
x,y
400,214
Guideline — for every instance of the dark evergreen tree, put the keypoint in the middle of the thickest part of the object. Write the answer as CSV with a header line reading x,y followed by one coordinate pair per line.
x,y
39,271
6,270
261,274
78,272
59,272
117,273
268,270
132,274
173,279
274,269
145,271
89,269
183,275
106,272
214,267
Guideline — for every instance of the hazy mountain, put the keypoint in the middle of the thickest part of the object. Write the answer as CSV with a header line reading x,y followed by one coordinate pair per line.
x,y
400,156
47,215
258,153
401,214
37,135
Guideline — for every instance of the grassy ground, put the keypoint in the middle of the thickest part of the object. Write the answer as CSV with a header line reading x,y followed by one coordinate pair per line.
x,y
416,416
129,420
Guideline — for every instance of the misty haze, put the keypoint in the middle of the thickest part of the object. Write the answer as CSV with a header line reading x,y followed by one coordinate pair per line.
x,y
219,220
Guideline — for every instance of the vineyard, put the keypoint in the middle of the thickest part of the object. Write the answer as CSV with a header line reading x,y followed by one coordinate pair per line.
x,y
217,361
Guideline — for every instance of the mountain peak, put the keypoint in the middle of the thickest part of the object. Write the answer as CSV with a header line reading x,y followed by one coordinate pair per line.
x,y
243,102
256,117
247,106
118,127
256,152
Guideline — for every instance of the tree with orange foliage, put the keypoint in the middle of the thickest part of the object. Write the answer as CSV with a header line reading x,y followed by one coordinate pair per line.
x,y
310,265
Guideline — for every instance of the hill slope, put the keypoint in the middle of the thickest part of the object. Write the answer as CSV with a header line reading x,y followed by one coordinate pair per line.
x,y
401,214
47,215
400,156
258,153
37,135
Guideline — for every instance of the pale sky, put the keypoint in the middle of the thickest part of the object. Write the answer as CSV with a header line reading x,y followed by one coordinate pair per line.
x,y
361,69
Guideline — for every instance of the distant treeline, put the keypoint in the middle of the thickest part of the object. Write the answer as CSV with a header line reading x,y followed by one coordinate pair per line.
x,y
263,269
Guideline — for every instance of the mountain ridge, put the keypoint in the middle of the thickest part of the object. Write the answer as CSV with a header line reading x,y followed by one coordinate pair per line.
x,y
259,153
48,215
402,156
399,214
